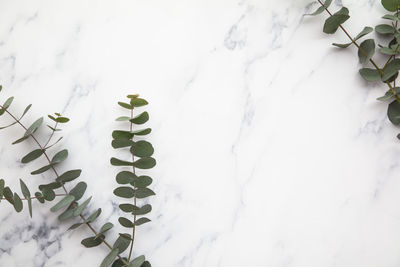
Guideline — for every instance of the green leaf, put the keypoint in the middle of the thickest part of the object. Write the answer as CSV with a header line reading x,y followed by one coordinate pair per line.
x,y
94,216
143,210
25,111
370,75
119,263
132,96
384,29
59,157
388,51
78,190
125,177
364,32
122,243
123,118
74,226
33,127
124,192
391,5
146,264
142,149
81,207
2,183
119,143
31,156
20,140
41,170
6,105
48,194
62,120
39,197
368,46
389,94
394,112
108,260
144,192
92,241
138,102
119,134
53,185
333,22
141,118
125,222
8,194
27,194
391,17
142,132
391,69
118,162
127,207
66,201
125,105
69,176
321,8
137,262
17,203
141,221
69,212
143,181
107,226
145,163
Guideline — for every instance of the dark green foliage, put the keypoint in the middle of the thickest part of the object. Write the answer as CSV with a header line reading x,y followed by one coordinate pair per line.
x,y
333,22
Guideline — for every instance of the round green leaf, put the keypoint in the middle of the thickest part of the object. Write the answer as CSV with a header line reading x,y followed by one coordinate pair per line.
x,y
125,222
60,157
384,29
391,5
78,190
125,177
124,192
91,242
142,181
370,75
394,112
141,118
137,262
145,163
333,22
144,192
142,149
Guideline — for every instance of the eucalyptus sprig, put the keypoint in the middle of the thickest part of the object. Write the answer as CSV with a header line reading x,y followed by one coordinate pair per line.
x,y
134,187
387,73
69,205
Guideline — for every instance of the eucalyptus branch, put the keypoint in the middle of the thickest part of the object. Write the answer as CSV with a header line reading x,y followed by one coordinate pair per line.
x,y
366,50
136,187
74,205
10,199
362,51
69,202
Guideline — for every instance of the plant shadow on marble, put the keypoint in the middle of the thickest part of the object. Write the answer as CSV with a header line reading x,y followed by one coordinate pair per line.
x,y
133,187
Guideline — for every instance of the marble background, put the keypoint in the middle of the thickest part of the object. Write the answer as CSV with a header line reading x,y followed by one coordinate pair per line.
x,y
271,150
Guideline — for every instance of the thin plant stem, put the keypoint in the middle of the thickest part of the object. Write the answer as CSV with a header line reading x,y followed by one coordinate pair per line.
x,y
134,196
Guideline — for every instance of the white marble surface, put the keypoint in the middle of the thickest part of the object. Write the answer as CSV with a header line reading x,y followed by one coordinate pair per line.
x,y
271,149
